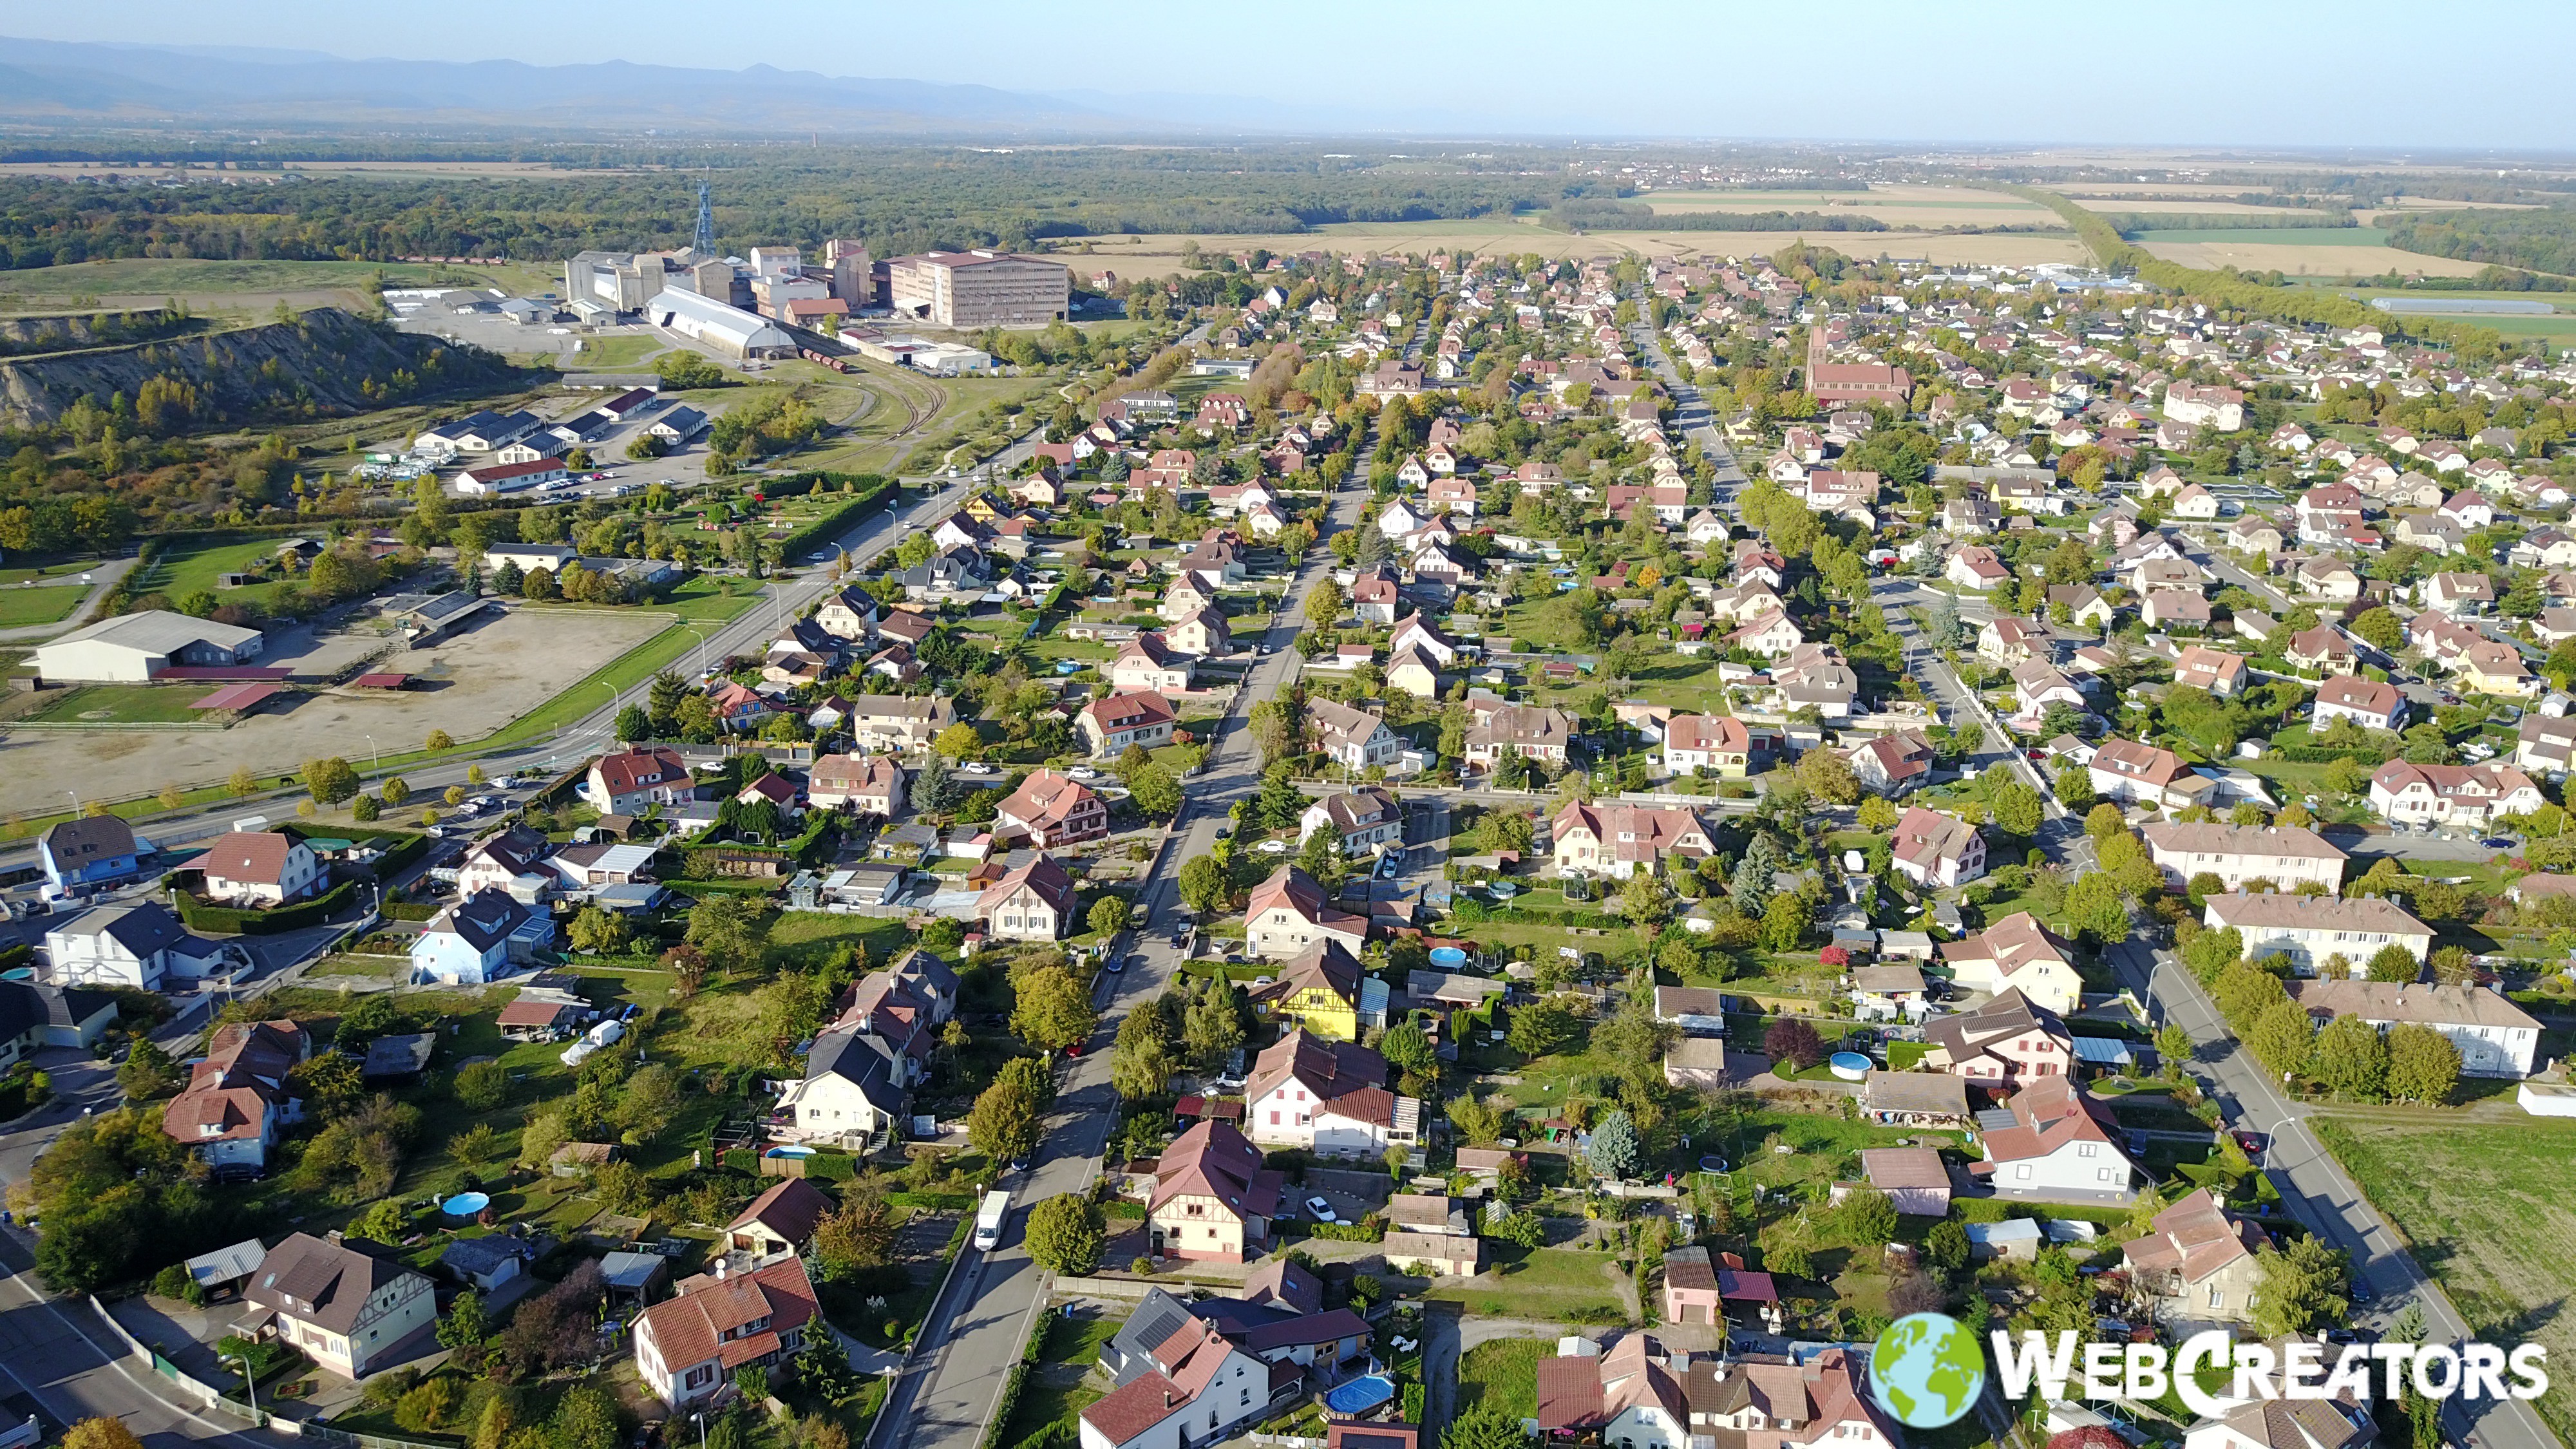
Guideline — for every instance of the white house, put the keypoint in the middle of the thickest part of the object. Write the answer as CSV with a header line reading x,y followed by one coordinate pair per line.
x,y
1362,819
690,1345
855,1090
260,869
2284,855
345,1308
479,938
2473,795
239,1099
2496,1038
1934,849
1326,1097
2061,1147
2308,929
141,945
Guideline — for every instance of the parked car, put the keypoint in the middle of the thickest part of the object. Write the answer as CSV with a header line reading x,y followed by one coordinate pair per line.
x,y
1322,1210
2252,1142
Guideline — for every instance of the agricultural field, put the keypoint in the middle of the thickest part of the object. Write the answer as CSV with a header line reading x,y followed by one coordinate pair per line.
x,y
1160,255
1901,206
2485,1210
2340,251
50,604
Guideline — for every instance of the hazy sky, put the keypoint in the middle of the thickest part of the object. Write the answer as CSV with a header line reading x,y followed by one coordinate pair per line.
x,y
2470,73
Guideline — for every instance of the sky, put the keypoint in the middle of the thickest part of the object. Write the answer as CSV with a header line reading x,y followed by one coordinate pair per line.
x,y
2470,74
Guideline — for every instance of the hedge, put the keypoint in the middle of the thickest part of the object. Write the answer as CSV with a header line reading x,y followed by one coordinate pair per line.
x,y
1371,1230
740,1159
1121,1210
409,911
13,957
200,916
937,1202
872,492
2324,755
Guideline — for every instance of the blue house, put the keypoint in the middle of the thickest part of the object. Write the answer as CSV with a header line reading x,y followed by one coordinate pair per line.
x,y
88,853
479,939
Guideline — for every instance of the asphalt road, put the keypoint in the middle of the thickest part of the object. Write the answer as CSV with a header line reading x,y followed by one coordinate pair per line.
x,y
946,1397
2313,1186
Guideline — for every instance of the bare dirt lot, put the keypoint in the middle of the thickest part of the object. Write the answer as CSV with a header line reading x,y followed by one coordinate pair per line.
x,y
468,686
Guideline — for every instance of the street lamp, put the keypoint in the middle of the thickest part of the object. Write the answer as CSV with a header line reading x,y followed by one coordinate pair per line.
x,y
250,1385
375,757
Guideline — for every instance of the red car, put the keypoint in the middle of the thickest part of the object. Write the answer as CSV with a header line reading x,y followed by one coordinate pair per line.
x,y
2252,1142
1074,1050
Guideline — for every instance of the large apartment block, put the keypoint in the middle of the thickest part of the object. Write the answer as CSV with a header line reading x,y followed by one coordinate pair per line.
x,y
966,290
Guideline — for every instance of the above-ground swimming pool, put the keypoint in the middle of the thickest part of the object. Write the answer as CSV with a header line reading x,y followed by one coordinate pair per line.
x,y
1850,1066
1360,1395
1448,958
466,1204
789,1152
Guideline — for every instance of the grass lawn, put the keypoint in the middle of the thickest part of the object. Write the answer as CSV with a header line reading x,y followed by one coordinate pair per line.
x,y
40,571
181,570
19,607
1055,1390
1503,1373
124,704
800,938
601,353
2486,1210
1546,1284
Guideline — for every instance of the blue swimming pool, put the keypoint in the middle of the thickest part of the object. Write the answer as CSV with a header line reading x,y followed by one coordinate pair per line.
x,y
1360,1395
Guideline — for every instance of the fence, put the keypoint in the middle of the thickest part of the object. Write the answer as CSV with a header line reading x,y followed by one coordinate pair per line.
x,y
207,1395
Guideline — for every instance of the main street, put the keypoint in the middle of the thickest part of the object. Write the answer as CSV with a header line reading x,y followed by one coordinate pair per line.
x,y
948,1391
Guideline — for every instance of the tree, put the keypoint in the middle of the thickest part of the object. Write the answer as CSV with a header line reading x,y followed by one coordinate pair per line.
x,y
1792,1040
2423,1064
386,1221
2017,808
1784,922
1408,1049
148,1072
483,1085
634,723
1503,829
856,1236
1066,1234
2174,1046
1156,791
2282,1038
395,790
2394,963
1486,1426
330,781
598,932
585,1418
1210,1026
2075,787
1054,1010
243,782
1109,915
365,809
1642,899
466,1323
1203,883
1542,1028
1003,1124
438,740
2300,1288
1140,1060
958,742
1877,814
2351,1059
2094,905
1865,1219
111,1433
1615,1151
2212,952
1946,1247
1828,776
727,931
2105,821
2381,629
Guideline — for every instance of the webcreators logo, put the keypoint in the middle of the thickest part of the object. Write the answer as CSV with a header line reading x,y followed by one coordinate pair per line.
x,y
1926,1371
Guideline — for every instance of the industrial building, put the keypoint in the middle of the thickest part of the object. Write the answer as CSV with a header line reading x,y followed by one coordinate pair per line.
x,y
613,282
968,290
727,329
134,647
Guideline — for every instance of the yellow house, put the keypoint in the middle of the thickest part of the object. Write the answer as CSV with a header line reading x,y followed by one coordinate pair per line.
x,y
1319,990
981,509
2492,668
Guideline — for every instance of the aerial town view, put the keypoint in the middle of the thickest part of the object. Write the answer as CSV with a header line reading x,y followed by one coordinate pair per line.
x,y
1258,742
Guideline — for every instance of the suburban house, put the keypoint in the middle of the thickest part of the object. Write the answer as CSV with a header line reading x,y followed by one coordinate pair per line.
x,y
1620,840
1326,1097
779,1221
1352,738
2214,670
1930,848
899,721
1363,819
690,1345
2007,1041
1318,991
866,784
2061,1147
1531,731
1632,1395
83,854
2310,929
1148,663
259,869
238,1103
1212,1197
141,945
856,1089
2341,1421
1975,566
2017,953
479,939
1913,1178
2496,1038
1720,744
1033,902
349,1310
2371,703
2138,774
1121,722
2405,793
629,782
2198,1262
2545,743
2286,856
1054,810
1289,913
1196,1385
1893,763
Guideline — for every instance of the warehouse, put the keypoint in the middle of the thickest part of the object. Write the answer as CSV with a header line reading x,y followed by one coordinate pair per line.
x,y
970,290
509,477
133,648
729,330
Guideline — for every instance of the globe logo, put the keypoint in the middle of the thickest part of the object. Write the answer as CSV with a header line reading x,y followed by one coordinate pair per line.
x,y
1926,1370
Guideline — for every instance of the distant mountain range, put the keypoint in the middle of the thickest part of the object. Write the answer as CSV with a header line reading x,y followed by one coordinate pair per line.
x,y
63,82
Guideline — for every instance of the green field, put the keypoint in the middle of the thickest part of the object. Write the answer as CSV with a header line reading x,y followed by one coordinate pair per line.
x,y
44,571
2486,1210
1545,1284
1503,1373
183,569
2306,236
600,353
133,276
20,607
122,704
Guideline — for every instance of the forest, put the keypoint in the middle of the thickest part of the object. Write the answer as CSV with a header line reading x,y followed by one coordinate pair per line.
x,y
898,201
2539,241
